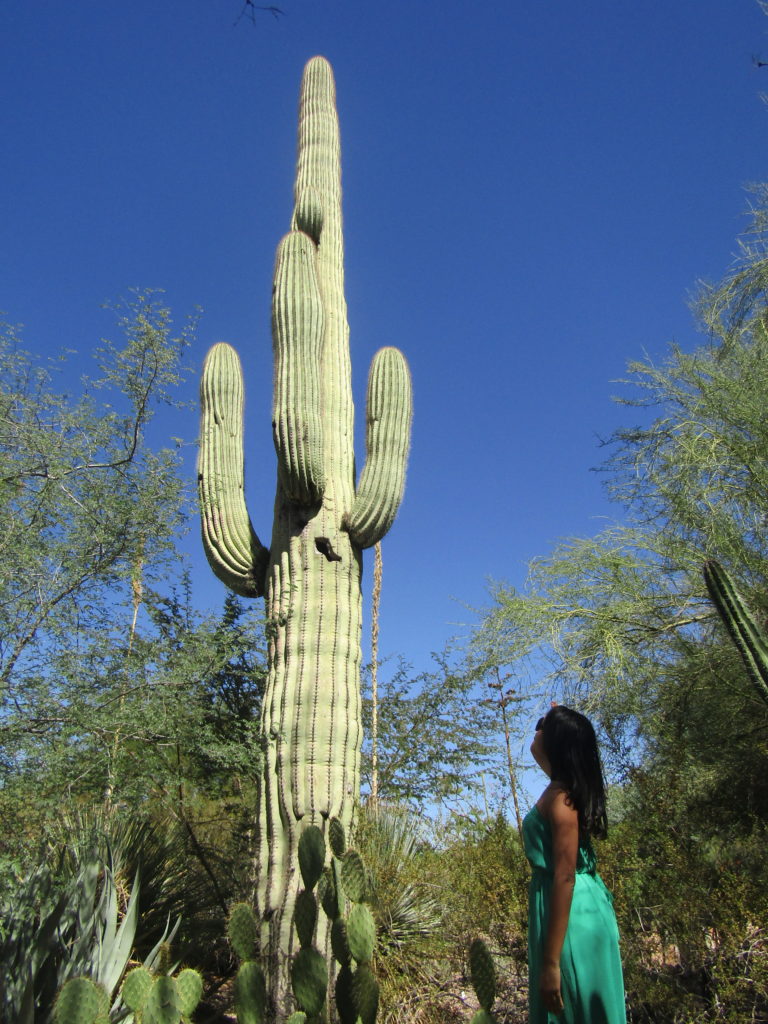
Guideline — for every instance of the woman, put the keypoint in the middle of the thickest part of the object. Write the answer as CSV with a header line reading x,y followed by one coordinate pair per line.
x,y
574,964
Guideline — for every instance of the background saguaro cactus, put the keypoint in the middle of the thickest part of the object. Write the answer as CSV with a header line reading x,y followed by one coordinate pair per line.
x,y
310,575
749,638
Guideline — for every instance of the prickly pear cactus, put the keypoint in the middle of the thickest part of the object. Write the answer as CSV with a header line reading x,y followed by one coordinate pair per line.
x,y
483,974
250,985
81,1001
161,998
310,574
353,937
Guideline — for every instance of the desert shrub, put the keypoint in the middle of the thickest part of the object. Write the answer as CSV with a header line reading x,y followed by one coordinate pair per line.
x,y
693,915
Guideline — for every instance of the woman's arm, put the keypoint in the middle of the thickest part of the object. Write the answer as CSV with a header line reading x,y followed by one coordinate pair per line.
x,y
565,847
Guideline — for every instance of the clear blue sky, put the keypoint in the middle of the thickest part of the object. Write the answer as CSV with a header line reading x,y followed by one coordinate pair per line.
x,y
531,192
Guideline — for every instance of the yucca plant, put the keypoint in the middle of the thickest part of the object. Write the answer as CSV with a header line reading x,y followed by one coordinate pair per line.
x,y
406,908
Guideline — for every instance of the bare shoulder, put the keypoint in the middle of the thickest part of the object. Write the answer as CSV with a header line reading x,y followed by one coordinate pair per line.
x,y
561,810
553,804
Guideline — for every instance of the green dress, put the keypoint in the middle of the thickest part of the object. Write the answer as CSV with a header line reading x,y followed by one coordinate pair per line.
x,y
591,979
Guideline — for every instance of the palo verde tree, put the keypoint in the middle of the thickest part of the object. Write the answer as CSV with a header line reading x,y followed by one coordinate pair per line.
x,y
310,573
89,512
622,618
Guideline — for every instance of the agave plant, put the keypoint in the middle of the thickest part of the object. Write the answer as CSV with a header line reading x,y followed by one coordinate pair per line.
x,y
72,917
55,934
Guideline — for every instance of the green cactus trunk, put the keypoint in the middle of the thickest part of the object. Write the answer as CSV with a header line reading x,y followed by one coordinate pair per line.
x,y
750,640
310,576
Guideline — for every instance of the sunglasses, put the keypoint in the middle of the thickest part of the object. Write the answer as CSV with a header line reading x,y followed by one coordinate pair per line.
x,y
539,725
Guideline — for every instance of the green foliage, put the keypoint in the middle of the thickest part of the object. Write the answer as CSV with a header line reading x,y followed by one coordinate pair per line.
x,y
114,692
56,928
426,754
690,910
84,498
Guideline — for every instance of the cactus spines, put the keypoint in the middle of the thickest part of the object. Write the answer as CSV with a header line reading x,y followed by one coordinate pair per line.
x,y
79,1002
250,994
311,855
242,930
337,839
189,988
365,994
339,943
361,933
162,1006
309,977
298,321
136,988
310,576
483,974
234,552
305,917
750,640
354,877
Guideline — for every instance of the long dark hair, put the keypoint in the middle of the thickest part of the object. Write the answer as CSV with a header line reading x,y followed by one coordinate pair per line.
x,y
571,748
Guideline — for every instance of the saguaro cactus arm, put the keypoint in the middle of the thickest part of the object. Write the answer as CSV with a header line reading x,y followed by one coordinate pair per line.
x,y
741,625
234,552
388,434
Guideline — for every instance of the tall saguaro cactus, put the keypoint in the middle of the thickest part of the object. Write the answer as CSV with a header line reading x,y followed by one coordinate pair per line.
x,y
310,575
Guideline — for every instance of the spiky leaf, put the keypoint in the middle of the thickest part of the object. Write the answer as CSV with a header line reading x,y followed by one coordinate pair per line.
x,y
483,973
250,994
311,855
309,979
